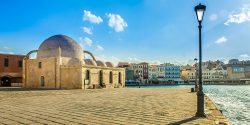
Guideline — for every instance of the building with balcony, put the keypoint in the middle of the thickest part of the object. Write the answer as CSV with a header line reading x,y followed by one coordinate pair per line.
x,y
11,69
152,73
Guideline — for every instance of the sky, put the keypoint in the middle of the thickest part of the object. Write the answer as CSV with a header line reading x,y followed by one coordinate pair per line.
x,y
155,31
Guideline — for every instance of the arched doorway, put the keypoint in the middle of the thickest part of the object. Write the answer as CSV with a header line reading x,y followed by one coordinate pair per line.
x,y
5,81
101,78
87,77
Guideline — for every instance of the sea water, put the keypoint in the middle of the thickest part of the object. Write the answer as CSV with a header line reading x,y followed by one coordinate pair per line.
x,y
233,100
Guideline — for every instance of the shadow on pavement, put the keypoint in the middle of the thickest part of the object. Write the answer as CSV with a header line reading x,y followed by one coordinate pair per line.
x,y
184,121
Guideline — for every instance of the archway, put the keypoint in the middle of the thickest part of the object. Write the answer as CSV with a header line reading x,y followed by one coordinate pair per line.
x,y
5,81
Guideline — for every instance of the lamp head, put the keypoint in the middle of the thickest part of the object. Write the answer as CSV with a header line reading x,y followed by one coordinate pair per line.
x,y
195,60
200,9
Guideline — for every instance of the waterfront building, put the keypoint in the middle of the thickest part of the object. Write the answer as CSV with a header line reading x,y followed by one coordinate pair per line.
x,y
172,73
145,70
60,64
214,75
11,69
188,75
137,71
152,73
235,69
161,72
129,72
123,64
208,76
247,71
140,72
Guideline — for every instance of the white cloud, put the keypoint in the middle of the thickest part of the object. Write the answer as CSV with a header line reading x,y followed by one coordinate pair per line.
x,y
116,22
88,16
85,41
99,48
221,40
213,17
244,56
87,30
240,17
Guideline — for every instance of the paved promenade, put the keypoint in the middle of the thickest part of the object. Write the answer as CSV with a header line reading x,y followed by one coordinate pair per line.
x,y
104,106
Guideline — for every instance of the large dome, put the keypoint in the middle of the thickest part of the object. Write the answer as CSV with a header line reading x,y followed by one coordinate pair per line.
x,y
69,48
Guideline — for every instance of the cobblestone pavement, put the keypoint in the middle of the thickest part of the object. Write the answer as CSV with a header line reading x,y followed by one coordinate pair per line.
x,y
101,106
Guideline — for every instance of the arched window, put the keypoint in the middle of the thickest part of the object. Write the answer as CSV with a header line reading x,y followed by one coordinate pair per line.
x,y
87,75
111,77
119,78
100,77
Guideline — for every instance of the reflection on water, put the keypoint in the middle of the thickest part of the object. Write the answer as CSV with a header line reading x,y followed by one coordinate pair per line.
x,y
233,100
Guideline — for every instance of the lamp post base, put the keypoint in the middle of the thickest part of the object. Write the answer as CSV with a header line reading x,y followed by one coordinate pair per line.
x,y
196,88
200,115
200,104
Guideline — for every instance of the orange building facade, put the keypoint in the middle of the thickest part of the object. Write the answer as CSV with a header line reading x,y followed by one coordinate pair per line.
x,y
10,69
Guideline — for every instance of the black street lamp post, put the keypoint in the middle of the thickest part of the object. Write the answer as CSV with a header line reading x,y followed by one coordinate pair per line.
x,y
196,83
200,9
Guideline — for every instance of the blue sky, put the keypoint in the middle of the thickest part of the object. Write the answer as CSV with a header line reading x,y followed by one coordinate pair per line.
x,y
155,31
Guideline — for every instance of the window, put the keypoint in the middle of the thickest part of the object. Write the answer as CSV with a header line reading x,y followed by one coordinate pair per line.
x,y
110,77
101,77
87,75
20,63
6,62
119,78
40,65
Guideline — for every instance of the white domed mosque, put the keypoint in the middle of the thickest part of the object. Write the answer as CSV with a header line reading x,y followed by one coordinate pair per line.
x,y
60,64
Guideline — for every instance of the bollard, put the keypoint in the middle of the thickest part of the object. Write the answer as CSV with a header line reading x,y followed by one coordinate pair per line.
x,y
192,89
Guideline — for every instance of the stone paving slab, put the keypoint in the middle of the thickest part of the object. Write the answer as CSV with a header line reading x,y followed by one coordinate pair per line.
x,y
123,106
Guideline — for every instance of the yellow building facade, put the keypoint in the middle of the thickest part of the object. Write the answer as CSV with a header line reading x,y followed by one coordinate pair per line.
x,y
60,64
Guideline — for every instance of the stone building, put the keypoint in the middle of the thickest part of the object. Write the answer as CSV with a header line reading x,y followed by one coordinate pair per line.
x,y
140,71
152,72
60,63
10,69
129,71
236,69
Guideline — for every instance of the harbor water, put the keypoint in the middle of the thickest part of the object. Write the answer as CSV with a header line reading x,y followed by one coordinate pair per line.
x,y
233,100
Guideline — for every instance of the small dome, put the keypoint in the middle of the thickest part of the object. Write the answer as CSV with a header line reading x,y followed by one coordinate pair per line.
x,y
109,64
69,48
89,62
100,63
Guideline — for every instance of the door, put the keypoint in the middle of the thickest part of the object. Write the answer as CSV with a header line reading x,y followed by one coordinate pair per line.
x,y
42,82
5,81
